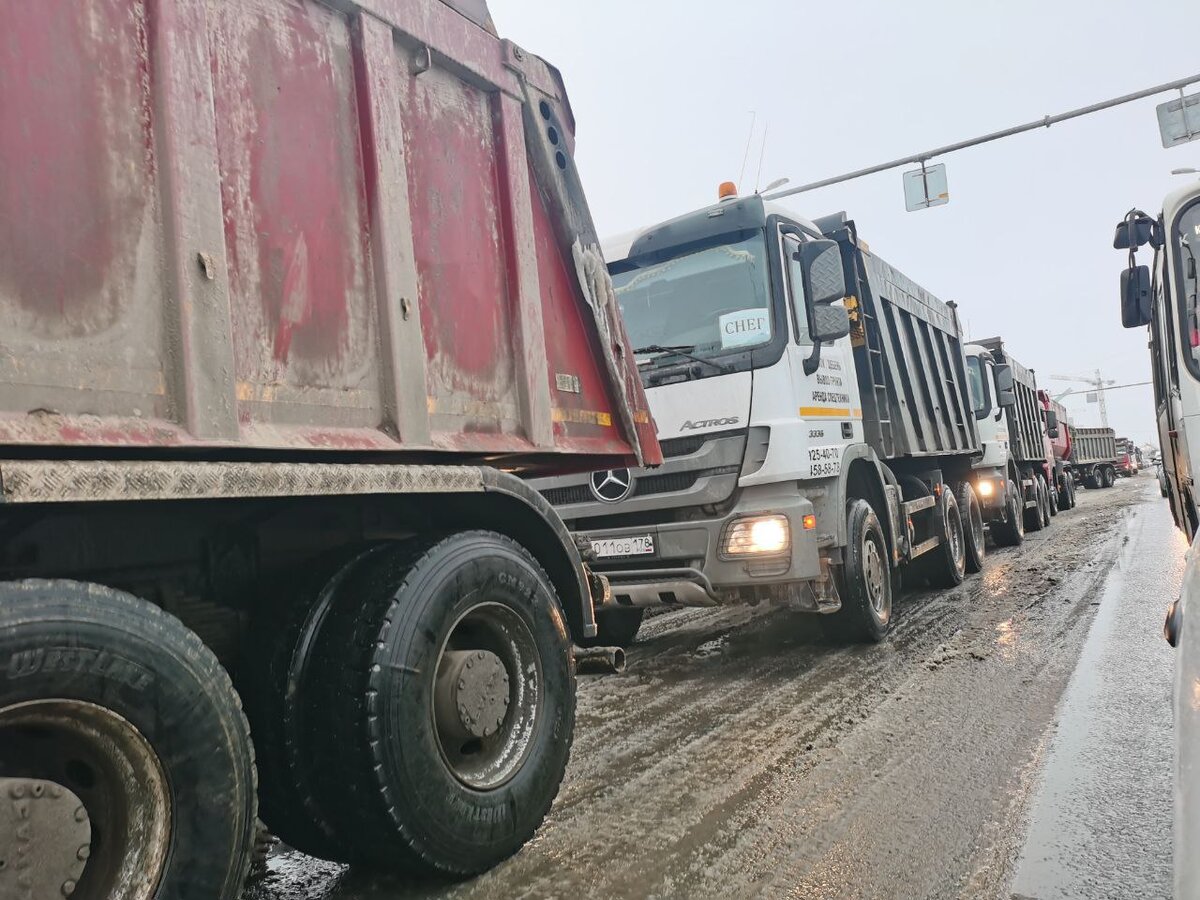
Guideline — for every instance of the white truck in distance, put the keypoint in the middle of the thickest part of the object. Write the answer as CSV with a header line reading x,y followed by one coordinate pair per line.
x,y
812,405
1019,484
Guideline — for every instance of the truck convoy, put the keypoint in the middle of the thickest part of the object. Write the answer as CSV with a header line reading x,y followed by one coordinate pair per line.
x,y
815,417
291,293
1165,297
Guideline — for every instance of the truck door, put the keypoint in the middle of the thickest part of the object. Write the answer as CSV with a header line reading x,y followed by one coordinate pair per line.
x,y
1168,409
828,399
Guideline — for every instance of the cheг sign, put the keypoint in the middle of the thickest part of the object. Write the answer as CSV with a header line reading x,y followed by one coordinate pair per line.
x,y
745,327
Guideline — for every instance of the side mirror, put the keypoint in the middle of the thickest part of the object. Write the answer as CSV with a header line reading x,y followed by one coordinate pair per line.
x,y
1135,297
1134,231
829,323
821,265
1005,395
1052,423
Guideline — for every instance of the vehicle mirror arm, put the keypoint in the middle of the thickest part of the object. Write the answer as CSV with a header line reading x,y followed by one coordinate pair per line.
x,y
813,362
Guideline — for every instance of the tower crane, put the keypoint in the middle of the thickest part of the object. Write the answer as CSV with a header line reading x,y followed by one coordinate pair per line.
x,y
1097,383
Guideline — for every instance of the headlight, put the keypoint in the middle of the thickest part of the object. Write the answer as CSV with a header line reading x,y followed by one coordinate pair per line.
x,y
758,536
985,487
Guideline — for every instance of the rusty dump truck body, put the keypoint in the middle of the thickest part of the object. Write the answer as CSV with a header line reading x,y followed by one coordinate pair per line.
x,y
293,294
274,225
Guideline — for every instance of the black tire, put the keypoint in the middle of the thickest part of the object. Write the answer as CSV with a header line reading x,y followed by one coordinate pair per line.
x,y
1010,531
1052,499
271,682
1094,480
1068,491
1045,491
90,652
1110,477
948,561
972,516
865,584
386,780
616,628
1034,515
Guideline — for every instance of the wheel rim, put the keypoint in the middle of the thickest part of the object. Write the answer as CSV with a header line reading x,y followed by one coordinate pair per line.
x,y
875,575
487,695
105,761
956,539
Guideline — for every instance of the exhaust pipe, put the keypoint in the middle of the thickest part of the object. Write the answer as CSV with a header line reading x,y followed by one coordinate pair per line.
x,y
599,660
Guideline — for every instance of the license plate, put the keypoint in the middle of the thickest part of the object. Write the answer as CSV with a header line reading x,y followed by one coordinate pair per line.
x,y
634,545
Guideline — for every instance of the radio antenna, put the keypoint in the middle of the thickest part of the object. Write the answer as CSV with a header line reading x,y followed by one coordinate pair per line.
x,y
749,141
761,154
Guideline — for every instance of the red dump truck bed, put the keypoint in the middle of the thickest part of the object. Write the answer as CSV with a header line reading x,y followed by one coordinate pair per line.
x,y
292,225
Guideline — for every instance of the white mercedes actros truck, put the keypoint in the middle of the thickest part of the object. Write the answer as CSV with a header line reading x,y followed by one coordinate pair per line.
x,y
1019,483
812,404
1166,297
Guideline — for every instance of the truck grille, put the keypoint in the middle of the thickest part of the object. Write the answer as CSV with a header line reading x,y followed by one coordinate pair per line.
x,y
670,483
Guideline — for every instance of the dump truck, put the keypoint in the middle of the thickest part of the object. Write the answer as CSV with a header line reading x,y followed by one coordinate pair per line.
x,y
293,296
1164,298
1127,458
1057,424
812,406
1093,460
1015,476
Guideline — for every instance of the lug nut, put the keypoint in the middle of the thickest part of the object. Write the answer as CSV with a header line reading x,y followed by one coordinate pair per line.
x,y
18,791
68,888
80,814
84,852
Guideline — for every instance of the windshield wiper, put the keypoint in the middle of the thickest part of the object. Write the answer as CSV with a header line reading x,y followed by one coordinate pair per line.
x,y
684,350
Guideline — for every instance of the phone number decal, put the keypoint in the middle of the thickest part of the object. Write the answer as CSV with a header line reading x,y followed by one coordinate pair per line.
x,y
824,462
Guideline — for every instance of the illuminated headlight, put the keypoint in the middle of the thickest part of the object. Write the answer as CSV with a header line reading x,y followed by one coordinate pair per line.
x,y
757,536
986,487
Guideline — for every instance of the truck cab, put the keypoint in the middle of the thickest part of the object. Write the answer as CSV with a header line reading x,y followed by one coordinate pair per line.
x,y
811,404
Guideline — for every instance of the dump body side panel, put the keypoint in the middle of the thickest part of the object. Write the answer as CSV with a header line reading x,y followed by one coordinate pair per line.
x,y
271,225
1092,445
908,352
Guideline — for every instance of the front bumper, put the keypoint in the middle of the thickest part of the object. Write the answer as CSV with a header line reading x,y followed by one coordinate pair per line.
x,y
991,503
687,567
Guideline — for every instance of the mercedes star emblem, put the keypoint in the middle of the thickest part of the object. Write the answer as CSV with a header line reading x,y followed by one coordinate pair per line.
x,y
612,485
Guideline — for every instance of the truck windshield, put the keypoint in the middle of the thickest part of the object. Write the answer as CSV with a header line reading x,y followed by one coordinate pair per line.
x,y
708,302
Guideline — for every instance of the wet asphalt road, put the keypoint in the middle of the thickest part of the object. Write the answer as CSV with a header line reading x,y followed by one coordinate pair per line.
x,y
741,754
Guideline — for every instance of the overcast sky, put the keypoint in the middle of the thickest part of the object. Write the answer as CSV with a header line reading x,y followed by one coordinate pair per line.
x,y
663,92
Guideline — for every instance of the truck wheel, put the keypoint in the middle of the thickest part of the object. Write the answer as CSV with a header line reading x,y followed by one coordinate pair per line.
x,y
1110,477
972,516
117,702
866,582
948,560
1067,492
1010,532
1052,500
615,627
1033,516
442,694
272,683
